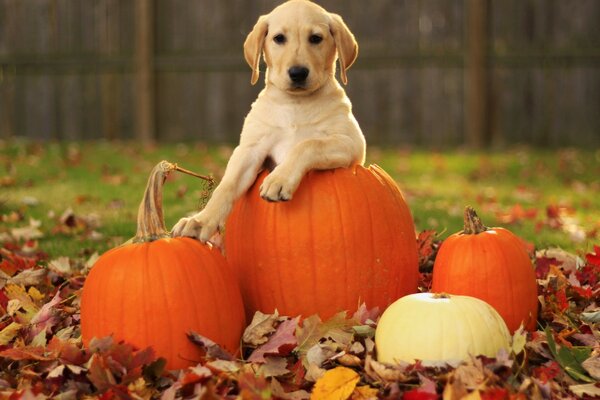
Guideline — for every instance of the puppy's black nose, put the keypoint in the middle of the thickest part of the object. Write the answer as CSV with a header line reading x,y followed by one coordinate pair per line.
x,y
298,74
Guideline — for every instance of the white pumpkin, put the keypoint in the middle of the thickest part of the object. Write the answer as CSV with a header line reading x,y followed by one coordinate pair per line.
x,y
438,328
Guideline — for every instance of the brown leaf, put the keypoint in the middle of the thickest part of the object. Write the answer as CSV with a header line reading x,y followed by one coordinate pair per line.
x,y
273,366
592,366
253,387
99,373
382,373
281,343
279,392
259,329
213,350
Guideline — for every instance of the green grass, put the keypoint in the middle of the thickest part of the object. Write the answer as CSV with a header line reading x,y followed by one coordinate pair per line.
x,y
106,181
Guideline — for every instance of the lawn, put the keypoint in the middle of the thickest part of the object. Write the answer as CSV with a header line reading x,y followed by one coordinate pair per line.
x,y
84,196
63,204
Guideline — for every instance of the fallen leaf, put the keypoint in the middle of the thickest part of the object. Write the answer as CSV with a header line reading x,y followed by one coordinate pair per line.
x,y
29,232
364,393
261,326
592,366
281,343
273,366
213,350
9,333
279,392
589,389
335,384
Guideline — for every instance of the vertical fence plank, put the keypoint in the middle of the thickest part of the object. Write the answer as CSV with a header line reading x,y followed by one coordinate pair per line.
x,y
144,69
477,112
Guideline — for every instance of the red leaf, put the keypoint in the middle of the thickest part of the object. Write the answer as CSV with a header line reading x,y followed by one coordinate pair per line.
x,y
27,353
547,372
427,390
494,394
417,394
561,299
542,266
281,343
594,258
516,214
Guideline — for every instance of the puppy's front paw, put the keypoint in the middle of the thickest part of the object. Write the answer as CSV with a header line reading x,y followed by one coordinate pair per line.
x,y
198,226
277,187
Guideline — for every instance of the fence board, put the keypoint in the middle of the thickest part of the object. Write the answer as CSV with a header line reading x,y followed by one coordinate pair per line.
x,y
67,69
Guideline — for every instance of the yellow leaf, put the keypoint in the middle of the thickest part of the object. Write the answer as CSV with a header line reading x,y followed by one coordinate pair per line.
x,y
519,340
335,384
17,292
364,393
35,294
8,334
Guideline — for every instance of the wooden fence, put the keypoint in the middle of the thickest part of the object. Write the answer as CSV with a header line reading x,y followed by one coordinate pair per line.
x,y
430,72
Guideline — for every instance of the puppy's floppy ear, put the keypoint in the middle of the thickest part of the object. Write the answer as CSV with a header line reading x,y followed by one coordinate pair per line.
x,y
253,46
346,45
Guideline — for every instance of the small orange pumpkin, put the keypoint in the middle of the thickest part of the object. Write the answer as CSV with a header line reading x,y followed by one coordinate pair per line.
x,y
347,237
152,292
492,265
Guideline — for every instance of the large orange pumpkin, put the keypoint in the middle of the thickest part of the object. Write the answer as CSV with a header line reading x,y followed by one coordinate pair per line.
x,y
346,237
152,292
492,265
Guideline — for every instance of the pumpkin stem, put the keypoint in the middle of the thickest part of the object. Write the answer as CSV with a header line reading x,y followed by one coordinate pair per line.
x,y
441,295
150,220
473,224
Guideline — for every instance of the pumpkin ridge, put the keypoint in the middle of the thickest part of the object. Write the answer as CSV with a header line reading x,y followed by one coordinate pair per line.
x,y
152,275
194,322
218,278
343,229
372,234
276,229
509,306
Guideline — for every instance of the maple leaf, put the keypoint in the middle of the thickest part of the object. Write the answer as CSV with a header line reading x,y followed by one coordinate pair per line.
x,y
253,387
594,258
281,343
427,246
338,328
261,326
37,353
273,366
46,317
337,383
365,316
212,349
279,392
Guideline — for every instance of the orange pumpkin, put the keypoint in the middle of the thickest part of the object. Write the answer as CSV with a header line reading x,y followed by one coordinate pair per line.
x,y
492,265
155,290
346,237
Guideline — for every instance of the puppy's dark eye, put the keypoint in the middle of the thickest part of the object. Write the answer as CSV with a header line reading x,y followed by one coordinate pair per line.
x,y
279,39
315,39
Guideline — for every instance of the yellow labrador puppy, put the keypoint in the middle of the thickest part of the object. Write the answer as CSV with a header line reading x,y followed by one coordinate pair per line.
x,y
301,120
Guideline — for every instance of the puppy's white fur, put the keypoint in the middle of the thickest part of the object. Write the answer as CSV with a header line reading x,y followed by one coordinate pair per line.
x,y
296,127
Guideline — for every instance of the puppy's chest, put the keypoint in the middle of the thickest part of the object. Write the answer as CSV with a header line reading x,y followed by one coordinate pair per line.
x,y
285,138
290,129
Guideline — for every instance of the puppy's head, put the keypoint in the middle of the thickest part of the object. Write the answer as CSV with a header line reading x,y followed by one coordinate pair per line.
x,y
300,42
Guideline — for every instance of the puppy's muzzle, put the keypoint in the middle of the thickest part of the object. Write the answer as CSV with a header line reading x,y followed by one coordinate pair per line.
x,y
298,75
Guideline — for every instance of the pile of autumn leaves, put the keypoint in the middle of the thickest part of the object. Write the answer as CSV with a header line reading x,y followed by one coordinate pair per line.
x,y
41,354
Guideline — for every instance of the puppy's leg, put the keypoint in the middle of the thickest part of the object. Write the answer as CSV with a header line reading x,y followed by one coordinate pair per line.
x,y
329,152
240,173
